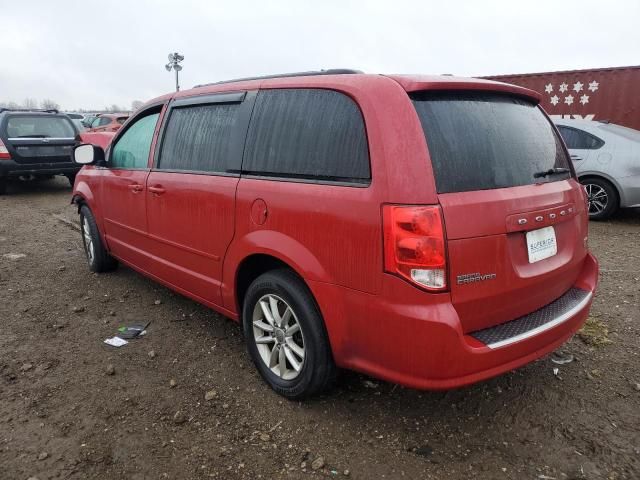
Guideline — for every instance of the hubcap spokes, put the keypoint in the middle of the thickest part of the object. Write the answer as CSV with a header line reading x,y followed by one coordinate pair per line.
x,y
278,336
88,242
597,197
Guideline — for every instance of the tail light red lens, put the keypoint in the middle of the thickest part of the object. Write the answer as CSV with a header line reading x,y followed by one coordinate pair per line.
x,y
4,153
414,245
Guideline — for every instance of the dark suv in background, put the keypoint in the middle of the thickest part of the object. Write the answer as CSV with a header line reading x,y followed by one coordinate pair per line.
x,y
35,144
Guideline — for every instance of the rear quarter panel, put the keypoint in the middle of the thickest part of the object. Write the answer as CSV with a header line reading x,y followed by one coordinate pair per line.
x,y
333,233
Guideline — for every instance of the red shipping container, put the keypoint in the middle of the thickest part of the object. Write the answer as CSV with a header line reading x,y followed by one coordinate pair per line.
x,y
606,94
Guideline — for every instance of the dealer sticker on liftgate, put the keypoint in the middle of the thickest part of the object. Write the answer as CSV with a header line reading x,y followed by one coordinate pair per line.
x,y
541,244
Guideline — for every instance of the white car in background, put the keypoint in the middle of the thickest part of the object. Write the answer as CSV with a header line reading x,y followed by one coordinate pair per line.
x,y
607,160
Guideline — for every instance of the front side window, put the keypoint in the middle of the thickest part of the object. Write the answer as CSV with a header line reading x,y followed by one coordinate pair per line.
x,y
198,138
132,148
307,133
579,139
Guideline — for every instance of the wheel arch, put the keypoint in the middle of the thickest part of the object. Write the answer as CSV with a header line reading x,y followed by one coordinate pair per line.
x,y
82,195
251,267
603,176
262,249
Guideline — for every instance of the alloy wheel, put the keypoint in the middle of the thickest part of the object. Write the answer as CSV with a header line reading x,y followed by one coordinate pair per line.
x,y
597,197
88,241
278,336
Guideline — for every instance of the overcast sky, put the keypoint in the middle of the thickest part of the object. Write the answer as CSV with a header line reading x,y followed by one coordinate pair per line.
x,y
95,53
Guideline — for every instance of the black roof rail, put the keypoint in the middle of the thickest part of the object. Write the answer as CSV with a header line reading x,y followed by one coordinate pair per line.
x,y
330,71
42,110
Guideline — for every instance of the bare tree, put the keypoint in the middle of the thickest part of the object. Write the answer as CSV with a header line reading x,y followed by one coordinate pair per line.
x,y
11,105
30,103
115,108
49,104
136,104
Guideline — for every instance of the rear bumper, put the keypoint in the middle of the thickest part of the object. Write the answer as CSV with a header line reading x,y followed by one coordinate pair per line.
x,y
396,337
9,168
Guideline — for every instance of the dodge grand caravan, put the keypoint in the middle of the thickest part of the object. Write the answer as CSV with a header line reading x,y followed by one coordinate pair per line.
x,y
429,231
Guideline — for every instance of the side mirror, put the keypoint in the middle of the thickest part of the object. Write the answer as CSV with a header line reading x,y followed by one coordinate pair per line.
x,y
87,154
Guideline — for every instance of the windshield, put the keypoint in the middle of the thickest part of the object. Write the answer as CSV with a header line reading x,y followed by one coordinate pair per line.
x,y
484,140
39,126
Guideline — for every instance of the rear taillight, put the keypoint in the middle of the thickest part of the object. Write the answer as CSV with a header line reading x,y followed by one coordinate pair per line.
x,y
4,153
414,245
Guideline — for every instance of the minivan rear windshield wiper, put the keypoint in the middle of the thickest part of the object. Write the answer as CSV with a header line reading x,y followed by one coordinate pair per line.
x,y
33,136
551,171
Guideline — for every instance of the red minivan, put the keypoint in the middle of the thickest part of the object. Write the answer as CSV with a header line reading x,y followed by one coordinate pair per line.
x,y
426,230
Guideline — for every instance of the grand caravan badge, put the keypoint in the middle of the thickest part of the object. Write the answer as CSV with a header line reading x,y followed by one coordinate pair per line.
x,y
474,277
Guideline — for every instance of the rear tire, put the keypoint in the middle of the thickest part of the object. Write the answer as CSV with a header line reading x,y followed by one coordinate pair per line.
x,y
97,256
602,197
288,342
72,179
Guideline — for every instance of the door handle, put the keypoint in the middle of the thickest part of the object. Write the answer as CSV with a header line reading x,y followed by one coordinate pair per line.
x,y
136,187
576,158
157,190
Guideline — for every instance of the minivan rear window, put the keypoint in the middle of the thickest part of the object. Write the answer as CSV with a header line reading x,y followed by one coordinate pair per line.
x,y
40,126
484,140
308,134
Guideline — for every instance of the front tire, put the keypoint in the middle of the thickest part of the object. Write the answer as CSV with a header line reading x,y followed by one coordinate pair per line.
x,y
72,179
285,335
602,198
97,256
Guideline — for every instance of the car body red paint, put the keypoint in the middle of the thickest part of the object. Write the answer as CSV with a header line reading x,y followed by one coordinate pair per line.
x,y
193,233
101,139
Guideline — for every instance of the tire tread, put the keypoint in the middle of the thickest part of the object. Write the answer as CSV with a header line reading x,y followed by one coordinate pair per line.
x,y
324,371
103,262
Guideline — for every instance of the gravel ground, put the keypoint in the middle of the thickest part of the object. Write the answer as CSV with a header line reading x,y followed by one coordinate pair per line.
x,y
72,407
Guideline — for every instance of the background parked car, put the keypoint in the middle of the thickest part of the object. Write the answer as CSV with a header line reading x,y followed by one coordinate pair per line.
x,y
77,119
606,158
36,144
108,122
88,120
101,139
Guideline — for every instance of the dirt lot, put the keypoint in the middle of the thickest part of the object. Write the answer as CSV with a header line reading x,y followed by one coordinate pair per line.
x,y
62,415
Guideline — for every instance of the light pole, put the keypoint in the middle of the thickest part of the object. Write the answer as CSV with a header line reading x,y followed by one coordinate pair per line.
x,y
174,63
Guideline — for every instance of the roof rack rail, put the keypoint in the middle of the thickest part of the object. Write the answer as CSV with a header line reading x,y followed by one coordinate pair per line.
x,y
330,71
43,110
